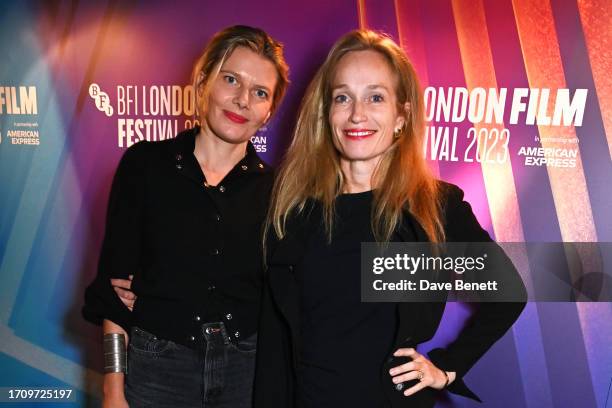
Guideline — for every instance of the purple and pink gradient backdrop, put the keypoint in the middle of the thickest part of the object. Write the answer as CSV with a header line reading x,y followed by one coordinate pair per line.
x,y
54,195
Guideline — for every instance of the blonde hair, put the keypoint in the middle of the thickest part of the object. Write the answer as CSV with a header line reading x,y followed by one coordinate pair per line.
x,y
311,166
221,46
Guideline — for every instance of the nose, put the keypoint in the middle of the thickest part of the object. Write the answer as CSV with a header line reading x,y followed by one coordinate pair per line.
x,y
241,99
358,113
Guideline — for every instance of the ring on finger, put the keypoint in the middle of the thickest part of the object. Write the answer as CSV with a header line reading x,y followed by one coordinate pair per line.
x,y
420,375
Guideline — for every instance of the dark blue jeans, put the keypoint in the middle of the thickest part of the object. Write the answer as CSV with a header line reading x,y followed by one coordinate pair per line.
x,y
164,374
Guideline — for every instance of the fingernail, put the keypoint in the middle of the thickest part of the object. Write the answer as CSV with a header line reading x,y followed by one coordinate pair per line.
x,y
395,380
392,372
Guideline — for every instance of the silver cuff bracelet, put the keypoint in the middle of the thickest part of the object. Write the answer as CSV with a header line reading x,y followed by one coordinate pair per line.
x,y
115,354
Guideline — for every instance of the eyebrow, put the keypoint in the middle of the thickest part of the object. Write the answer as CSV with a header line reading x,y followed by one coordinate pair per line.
x,y
240,76
373,86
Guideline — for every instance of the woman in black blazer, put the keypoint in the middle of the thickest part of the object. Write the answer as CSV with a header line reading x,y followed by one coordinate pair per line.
x,y
355,173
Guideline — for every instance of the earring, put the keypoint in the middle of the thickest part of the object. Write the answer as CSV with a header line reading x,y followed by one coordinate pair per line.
x,y
397,132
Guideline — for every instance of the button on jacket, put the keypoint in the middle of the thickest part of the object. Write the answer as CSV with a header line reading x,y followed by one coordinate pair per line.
x,y
194,249
279,338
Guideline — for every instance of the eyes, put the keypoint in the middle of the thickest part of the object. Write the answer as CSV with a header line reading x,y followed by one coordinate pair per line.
x,y
259,93
230,79
262,94
343,99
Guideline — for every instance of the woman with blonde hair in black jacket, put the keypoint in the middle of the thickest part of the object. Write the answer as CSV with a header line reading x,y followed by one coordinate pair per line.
x,y
355,172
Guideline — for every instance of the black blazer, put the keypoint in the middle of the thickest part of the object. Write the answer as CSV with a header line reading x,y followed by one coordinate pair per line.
x,y
279,330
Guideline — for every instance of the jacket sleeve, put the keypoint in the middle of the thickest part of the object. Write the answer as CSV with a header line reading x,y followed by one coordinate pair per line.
x,y
121,247
490,320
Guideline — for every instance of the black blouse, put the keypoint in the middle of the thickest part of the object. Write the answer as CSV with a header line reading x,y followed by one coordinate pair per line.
x,y
345,342
194,250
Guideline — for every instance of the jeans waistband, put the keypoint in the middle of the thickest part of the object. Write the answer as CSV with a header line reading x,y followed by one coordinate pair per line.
x,y
215,332
211,332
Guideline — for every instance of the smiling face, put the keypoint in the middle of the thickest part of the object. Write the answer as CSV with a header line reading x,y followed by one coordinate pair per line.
x,y
364,109
240,97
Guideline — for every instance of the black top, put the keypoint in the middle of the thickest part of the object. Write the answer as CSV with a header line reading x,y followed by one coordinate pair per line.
x,y
194,250
279,338
344,341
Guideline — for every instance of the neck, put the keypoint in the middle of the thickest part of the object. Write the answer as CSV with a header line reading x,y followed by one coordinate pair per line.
x,y
216,156
358,175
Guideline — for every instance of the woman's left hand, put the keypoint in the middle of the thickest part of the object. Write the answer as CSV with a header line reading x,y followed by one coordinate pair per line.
x,y
420,368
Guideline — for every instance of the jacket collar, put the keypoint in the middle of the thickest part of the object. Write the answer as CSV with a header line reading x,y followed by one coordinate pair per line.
x,y
184,160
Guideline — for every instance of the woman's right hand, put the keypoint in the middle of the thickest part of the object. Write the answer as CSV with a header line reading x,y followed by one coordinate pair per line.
x,y
122,289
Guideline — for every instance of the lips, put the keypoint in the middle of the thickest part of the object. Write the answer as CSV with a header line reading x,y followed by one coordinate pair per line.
x,y
358,134
234,117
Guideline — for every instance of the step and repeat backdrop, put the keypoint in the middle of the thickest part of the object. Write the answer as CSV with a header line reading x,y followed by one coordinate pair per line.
x,y
519,106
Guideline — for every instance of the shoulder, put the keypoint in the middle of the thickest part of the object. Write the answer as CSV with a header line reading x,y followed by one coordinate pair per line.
x,y
302,219
266,168
261,168
137,151
451,196
306,217
144,151
460,222
134,158
182,143
299,225
265,171
450,193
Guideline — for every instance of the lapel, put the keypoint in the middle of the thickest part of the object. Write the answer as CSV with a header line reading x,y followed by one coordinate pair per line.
x,y
281,275
182,157
283,256
283,284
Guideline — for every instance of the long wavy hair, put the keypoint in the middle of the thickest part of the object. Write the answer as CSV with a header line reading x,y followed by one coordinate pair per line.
x,y
311,169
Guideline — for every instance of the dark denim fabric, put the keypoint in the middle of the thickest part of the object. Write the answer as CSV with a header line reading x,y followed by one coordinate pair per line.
x,y
164,374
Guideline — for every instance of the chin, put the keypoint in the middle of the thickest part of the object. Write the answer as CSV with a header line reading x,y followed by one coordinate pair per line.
x,y
231,135
357,158
235,139
360,155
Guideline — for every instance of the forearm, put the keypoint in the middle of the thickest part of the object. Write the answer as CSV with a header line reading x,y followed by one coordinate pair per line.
x,y
114,382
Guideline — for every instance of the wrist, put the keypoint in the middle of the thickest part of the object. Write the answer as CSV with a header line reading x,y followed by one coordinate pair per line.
x,y
113,384
115,354
450,377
